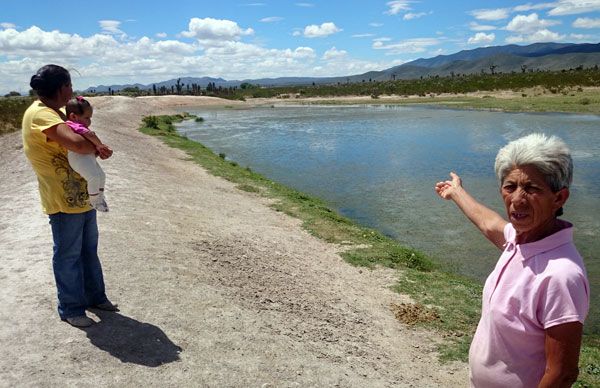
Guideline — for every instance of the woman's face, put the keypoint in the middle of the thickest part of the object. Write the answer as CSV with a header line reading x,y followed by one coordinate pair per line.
x,y
65,93
530,203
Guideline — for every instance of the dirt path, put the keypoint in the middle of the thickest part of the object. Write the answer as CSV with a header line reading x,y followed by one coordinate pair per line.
x,y
215,288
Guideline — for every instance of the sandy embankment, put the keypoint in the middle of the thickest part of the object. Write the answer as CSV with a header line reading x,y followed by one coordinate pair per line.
x,y
215,287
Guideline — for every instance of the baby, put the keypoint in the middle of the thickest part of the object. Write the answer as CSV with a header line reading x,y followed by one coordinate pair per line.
x,y
79,117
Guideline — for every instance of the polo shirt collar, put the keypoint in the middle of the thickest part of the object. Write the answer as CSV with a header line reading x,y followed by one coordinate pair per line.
x,y
563,236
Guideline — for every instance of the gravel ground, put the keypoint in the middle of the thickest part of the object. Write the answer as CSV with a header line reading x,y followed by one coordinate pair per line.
x,y
215,288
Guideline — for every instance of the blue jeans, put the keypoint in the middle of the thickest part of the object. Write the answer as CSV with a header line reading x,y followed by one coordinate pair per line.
x,y
77,269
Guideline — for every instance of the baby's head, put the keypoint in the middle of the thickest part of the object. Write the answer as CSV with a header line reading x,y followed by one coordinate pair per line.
x,y
79,110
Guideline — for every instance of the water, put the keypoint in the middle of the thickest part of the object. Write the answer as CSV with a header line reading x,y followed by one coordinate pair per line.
x,y
378,165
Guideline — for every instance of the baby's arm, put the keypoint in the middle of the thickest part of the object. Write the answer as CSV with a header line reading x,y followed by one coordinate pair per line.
x,y
103,150
91,136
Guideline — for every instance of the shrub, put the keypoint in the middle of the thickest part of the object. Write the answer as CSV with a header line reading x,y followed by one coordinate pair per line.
x,y
151,122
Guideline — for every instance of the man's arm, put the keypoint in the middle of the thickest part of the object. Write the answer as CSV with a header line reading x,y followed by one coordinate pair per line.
x,y
562,346
63,135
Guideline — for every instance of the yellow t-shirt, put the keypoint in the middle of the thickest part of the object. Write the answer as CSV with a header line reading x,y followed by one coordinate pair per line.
x,y
61,189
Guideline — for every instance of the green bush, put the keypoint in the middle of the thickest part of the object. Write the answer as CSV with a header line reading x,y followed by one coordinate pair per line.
x,y
151,122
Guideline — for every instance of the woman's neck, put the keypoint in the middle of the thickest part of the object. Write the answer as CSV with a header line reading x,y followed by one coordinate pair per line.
x,y
52,103
551,227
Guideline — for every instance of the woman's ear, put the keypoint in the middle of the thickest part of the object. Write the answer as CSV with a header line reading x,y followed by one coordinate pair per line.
x,y
561,197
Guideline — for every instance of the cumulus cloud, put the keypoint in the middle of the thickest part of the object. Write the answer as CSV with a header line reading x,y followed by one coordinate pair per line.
x,y
572,7
410,15
209,30
474,26
7,25
586,23
36,42
325,29
102,59
581,37
271,19
161,35
482,38
526,24
333,54
408,46
395,7
538,36
491,14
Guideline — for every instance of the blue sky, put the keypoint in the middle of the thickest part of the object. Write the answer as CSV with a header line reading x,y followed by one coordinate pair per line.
x,y
116,42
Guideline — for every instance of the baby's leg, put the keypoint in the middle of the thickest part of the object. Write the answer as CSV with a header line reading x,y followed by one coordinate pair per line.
x,y
88,168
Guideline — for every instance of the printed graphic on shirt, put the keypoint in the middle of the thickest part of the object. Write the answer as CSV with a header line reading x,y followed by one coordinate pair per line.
x,y
74,186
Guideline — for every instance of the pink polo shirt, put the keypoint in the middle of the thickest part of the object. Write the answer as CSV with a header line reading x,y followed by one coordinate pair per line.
x,y
534,286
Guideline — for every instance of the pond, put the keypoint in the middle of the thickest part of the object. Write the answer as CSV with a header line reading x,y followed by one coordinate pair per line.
x,y
377,165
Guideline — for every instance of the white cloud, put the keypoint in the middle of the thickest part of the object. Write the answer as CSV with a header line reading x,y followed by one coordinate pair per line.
x,y
586,23
410,15
211,31
538,36
7,25
572,7
161,35
532,7
363,35
271,19
482,38
480,27
305,5
35,42
110,26
408,46
325,29
395,7
334,54
581,37
490,14
105,59
526,24
254,5
376,24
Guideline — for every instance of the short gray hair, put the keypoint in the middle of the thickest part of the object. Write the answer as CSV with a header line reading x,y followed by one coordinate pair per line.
x,y
550,155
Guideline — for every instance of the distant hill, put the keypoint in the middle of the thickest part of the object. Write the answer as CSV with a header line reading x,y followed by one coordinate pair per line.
x,y
505,59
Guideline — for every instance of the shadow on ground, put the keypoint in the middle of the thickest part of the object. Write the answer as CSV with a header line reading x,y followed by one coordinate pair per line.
x,y
132,341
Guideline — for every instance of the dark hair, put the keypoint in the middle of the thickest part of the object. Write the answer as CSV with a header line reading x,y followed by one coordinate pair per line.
x,y
49,79
77,105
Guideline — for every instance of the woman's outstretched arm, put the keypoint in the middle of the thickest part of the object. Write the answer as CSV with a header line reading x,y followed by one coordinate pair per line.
x,y
490,223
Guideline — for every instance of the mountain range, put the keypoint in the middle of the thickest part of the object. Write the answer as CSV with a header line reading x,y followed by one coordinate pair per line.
x,y
503,59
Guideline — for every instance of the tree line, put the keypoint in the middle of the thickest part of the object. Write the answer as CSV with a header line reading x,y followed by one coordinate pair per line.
x,y
555,81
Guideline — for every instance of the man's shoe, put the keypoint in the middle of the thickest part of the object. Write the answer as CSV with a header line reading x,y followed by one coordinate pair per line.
x,y
107,306
80,321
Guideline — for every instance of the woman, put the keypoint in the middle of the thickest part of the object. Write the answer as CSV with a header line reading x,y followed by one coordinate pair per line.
x,y
46,139
536,299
